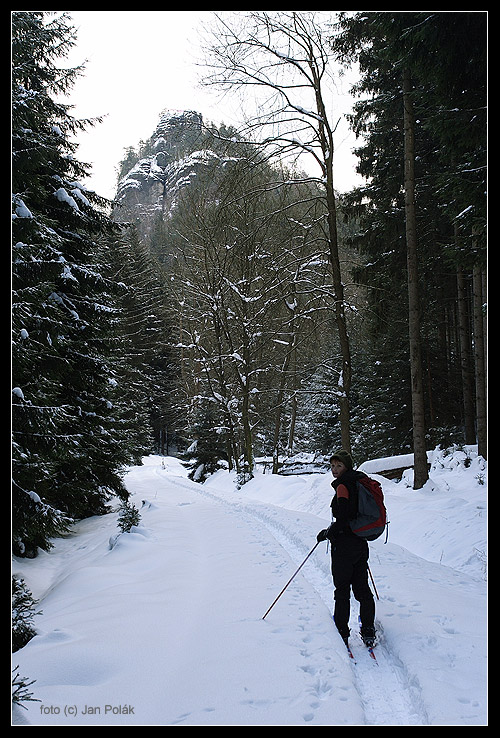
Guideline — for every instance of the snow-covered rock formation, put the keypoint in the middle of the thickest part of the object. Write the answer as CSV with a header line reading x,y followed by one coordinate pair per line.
x,y
170,160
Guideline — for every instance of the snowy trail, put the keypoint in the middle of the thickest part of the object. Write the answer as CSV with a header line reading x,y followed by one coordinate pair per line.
x,y
166,628
400,702
436,600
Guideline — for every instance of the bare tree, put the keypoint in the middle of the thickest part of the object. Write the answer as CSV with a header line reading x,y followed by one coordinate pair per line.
x,y
285,58
249,285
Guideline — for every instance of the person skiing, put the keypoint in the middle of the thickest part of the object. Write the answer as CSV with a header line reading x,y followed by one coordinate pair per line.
x,y
349,552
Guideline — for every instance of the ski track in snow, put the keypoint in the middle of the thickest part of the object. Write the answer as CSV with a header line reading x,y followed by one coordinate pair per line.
x,y
328,688
399,702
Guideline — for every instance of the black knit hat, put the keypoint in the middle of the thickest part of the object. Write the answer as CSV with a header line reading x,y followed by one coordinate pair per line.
x,y
344,457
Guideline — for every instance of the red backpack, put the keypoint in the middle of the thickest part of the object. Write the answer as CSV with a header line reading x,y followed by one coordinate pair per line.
x,y
371,519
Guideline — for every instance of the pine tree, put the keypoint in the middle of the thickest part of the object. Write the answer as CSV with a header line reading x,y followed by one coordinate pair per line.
x,y
67,452
443,54
207,453
23,612
145,371
128,516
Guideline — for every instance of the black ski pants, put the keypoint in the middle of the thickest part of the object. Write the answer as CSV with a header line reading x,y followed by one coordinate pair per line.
x,y
350,570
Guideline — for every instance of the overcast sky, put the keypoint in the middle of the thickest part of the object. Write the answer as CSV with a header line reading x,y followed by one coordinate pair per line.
x,y
139,63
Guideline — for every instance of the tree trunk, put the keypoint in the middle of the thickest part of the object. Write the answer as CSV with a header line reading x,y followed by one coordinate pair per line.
x,y
421,473
344,386
248,463
479,361
293,419
293,413
465,359
289,354
279,406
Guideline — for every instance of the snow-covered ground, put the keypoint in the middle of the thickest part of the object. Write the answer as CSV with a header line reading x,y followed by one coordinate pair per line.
x,y
167,628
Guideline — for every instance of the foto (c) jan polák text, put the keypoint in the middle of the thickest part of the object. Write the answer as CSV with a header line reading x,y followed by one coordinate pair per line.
x,y
73,710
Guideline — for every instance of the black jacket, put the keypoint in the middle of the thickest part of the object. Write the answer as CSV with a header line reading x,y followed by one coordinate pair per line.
x,y
344,510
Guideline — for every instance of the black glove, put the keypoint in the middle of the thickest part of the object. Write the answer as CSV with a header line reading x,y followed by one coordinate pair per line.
x,y
329,533
334,530
323,535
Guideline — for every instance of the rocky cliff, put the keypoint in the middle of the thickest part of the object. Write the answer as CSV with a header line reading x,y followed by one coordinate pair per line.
x,y
174,155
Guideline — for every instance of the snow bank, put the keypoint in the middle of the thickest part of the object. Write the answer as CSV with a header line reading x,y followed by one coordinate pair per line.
x,y
387,463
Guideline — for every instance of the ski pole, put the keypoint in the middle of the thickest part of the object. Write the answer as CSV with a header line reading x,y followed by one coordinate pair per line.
x,y
374,587
292,577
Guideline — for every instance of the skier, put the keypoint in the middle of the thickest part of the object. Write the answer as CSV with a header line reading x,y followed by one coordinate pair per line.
x,y
349,552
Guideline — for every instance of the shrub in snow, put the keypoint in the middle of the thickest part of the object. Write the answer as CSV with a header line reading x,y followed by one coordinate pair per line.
x,y
23,612
20,691
128,517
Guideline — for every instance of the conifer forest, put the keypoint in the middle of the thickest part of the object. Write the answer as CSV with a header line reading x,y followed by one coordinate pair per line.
x,y
229,305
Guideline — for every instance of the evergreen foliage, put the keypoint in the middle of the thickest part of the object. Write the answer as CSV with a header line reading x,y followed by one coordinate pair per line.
x,y
446,56
145,369
23,612
128,516
207,453
70,436
20,691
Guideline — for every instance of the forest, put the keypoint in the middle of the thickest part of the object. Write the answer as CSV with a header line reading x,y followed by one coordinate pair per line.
x,y
234,307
